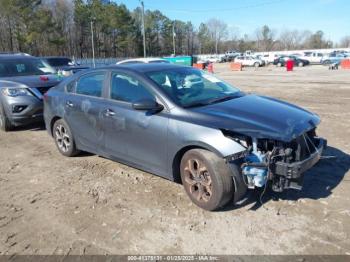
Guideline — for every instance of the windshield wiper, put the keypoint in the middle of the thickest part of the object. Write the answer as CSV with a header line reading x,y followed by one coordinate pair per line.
x,y
212,101
221,99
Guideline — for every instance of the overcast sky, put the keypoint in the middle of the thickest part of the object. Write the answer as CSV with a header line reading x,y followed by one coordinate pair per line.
x,y
330,16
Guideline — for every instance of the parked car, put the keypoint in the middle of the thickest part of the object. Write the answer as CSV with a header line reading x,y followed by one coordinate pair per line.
x,y
215,59
281,61
230,56
22,85
64,64
332,58
269,58
249,61
149,60
312,57
185,125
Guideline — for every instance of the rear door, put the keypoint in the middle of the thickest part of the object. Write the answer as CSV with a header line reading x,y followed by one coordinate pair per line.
x,y
83,105
137,137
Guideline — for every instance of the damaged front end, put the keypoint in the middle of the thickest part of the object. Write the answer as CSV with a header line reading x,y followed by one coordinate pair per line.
x,y
282,164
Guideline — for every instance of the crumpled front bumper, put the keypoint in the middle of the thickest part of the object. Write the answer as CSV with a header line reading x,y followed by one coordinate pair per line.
x,y
295,169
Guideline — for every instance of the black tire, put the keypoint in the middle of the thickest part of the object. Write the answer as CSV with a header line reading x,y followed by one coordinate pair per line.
x,y
207,179
256,64
300,64
64,139
279,64
5,124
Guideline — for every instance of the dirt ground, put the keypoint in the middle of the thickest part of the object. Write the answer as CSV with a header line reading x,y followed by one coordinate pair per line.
x,y
50,204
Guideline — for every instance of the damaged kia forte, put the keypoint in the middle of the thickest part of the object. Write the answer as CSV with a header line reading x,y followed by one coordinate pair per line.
x,y
185,125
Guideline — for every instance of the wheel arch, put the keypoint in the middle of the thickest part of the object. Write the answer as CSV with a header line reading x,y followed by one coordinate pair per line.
x,y
52,122
176,160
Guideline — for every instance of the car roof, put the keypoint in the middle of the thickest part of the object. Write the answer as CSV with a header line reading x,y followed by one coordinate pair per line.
x,y
142,59
143,68
58,57
16,57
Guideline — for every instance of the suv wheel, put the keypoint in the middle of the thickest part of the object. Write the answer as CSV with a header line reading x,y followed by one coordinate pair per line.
x,y
207,179
64,139
279,64
5,124
256,64
300,64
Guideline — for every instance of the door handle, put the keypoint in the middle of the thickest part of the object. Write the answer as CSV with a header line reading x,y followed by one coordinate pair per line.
x,y
109,112
69,104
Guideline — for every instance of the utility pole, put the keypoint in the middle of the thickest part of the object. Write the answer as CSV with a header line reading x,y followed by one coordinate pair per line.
x,y
174,38
92,43
143,28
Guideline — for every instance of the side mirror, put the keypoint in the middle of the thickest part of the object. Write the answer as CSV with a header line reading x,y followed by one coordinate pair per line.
x,y
147,105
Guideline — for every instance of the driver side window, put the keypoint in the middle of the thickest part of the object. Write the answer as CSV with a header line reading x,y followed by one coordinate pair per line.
x,y
128,89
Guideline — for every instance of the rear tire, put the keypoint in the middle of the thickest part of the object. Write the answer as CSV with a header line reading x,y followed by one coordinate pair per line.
x,y
279,64
207,179
5,124
64,139
300,64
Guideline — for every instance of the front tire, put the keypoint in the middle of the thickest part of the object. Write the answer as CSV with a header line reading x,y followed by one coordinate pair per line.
x,y
279,64
5,124
207,179
64,139
300,64
256,64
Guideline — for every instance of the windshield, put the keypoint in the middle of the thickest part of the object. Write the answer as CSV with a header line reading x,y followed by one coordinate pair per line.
x,y
190,87
55,62
24,67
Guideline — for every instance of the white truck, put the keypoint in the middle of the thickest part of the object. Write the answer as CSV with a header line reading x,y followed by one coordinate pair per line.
x,y
313,57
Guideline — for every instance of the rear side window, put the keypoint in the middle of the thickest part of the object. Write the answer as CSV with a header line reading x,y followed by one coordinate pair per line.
x,y
91,85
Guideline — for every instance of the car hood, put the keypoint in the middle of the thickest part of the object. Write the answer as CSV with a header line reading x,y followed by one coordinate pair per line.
x,y
30,81
258,116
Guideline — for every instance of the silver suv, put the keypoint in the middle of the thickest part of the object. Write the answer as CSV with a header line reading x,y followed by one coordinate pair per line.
x,y
23,81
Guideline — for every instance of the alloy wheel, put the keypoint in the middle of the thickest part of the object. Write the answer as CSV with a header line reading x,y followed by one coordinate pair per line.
x,y
2,122
62,138
198,180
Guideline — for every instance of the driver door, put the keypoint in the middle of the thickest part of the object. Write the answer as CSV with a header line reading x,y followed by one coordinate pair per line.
x,y
134,136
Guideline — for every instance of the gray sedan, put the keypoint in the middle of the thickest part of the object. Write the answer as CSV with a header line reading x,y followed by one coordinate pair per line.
x,y
187,126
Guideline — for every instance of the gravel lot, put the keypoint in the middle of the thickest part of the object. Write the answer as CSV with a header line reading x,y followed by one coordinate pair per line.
x,y
50,204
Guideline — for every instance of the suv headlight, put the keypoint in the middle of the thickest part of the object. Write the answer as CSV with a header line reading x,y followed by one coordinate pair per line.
x,y
13,92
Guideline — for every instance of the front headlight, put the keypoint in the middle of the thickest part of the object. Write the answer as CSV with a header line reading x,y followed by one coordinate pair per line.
x,y
13,92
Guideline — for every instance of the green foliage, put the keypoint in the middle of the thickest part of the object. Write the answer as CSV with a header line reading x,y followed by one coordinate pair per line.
x,y
63,27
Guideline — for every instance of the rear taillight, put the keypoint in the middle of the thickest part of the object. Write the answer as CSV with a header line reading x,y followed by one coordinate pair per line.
x,y
44,78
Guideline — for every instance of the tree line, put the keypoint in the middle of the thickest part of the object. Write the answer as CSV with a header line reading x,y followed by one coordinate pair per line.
x,y
63,27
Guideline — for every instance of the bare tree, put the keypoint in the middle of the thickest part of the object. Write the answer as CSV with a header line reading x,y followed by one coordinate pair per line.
x,y
345,42
217,30
265,38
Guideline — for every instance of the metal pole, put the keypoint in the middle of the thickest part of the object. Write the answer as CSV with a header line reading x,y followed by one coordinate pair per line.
x,y
92,44
143,28
174,38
